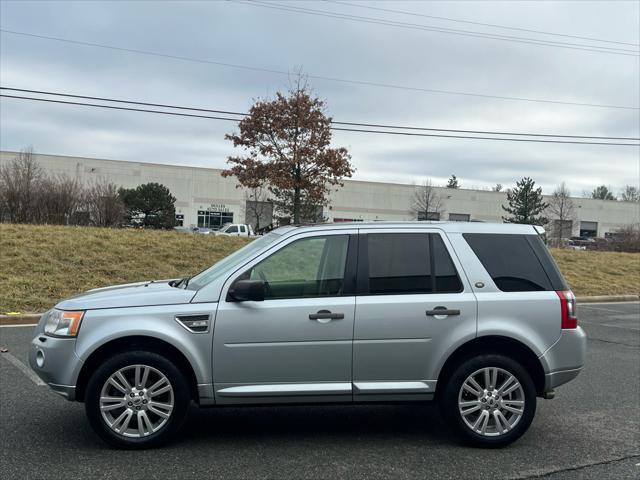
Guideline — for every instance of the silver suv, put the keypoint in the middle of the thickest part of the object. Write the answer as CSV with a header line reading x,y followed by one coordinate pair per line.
x,y
475,316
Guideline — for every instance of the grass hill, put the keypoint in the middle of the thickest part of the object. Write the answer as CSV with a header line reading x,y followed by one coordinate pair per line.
x,y
42,264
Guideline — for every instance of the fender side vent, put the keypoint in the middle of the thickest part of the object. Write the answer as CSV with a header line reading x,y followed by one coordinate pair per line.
x,y
194,323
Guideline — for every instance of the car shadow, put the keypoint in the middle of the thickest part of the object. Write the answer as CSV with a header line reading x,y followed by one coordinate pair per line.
x,y
248,424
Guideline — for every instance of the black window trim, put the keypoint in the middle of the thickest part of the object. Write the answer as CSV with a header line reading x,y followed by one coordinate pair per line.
x,y
362,281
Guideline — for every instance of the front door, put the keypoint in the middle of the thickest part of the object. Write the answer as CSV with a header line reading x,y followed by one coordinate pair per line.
x,y
296,345
414,306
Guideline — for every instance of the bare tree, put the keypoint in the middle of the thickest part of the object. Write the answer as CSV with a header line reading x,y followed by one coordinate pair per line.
x,y
19,181
426,203
57,200
561,213
104,205
627,239
630,194
28,195
497,187
259,209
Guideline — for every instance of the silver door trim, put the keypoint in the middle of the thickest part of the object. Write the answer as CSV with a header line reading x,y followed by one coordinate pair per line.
x,y
284,389
392,387
287,343
392,340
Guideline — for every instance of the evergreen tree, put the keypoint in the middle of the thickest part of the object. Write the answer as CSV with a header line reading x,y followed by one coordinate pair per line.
x,y
602,193
525,204
151,203
453,182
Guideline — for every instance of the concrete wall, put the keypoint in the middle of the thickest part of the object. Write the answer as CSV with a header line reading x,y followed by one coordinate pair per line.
x,y
199,188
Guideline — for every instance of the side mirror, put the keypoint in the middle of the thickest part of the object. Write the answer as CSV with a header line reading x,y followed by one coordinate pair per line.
x,y
247,290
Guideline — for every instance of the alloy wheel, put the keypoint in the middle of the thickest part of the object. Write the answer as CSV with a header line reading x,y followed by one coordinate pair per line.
x,y
136,401
491,401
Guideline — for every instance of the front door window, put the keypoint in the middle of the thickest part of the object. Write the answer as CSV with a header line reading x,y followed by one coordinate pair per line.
x,y
311,267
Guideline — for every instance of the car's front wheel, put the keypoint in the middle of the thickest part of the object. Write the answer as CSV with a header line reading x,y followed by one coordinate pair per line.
x,y
137,399
489,400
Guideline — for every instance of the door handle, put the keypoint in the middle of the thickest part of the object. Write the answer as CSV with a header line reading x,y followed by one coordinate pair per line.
x,y
326,315
442,311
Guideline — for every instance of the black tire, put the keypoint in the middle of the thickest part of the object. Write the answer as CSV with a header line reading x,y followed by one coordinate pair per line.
x,y
450,395
180,392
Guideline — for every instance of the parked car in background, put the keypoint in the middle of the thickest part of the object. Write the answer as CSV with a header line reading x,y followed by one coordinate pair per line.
x,y
475,316
236,230
573,245
202,230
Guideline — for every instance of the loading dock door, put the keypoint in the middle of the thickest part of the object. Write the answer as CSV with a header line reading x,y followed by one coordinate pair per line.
x,y
588,229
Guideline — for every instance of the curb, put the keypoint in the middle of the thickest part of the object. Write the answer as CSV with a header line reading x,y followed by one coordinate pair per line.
x,y
608,298
30,318
20,319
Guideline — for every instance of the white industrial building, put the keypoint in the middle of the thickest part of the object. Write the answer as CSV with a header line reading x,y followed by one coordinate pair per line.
x,y
205,198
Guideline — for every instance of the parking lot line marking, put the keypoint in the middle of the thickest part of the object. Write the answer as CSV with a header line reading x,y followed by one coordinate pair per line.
x,y
588,304
23,368
619,326
607,325
602,309
17,326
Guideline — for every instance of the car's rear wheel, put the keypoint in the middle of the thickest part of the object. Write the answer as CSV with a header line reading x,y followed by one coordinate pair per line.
x,y
489,400
137,400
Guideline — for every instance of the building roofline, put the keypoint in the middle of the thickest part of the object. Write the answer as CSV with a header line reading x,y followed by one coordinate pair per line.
x,y
184,165
373,182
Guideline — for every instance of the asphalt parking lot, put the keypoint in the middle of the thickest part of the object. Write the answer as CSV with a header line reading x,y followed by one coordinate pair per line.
x,y
590,430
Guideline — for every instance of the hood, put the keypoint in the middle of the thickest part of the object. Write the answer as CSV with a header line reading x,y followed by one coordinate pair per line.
x,y
140,294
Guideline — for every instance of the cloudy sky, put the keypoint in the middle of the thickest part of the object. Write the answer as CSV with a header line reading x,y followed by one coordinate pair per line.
x,y
274,38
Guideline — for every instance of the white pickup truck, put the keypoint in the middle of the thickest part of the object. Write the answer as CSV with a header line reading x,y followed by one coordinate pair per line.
x,y
236,230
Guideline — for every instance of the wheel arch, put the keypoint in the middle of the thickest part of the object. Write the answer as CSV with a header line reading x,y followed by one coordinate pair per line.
x,y
498,345
135,342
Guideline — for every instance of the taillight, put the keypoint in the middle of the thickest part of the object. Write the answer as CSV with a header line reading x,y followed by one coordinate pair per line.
x,y
567,309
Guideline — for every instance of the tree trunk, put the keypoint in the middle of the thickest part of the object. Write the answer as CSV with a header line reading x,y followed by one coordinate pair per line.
x,y
296,205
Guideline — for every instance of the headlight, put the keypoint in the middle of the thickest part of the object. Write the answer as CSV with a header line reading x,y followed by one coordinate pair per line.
x,y
63,324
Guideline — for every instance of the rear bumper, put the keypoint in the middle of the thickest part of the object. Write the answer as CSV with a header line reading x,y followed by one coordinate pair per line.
x,y
565,358
555,379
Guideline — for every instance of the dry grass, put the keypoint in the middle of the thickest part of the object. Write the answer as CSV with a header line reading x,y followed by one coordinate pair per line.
x,y
600,273
40,265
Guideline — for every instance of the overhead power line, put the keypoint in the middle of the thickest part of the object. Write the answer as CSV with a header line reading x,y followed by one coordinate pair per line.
x,y
431,28
493,25
118,100
317,77
359,130
334,122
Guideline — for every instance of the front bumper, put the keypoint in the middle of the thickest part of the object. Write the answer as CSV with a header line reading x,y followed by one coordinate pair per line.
x,y
565,358
55,361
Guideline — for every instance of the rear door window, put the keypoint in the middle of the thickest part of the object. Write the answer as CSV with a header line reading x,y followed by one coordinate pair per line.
x,y
408,263
399,263
511,261
446,276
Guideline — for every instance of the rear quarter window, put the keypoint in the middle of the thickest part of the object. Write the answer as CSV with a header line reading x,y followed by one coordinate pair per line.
x,y
514,261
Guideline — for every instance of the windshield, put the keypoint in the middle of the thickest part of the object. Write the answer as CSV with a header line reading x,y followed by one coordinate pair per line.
x,y
227,263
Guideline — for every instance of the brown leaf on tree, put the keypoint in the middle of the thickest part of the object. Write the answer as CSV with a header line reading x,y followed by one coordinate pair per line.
x,y
287,142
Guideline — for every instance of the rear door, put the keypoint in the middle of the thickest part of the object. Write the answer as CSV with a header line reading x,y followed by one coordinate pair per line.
x,y
414,307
